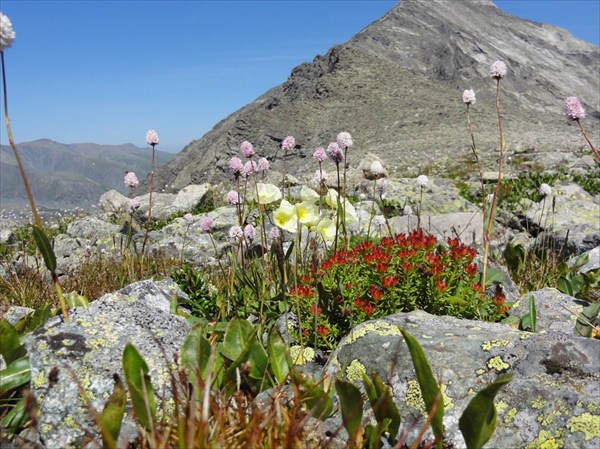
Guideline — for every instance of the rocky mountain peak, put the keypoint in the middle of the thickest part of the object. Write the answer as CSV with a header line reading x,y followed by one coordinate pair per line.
x,y
397,85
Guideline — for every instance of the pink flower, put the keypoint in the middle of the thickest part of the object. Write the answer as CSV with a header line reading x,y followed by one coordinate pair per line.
x,y
381,185
469,96
188,218
250,167
7,34
336,154
236,166
152,137
376,167
274,233
206,224
422,181
131,180
263,164
319,155
247,149
573,108
236,233
233,198
288,144
344,140
498,70
249,232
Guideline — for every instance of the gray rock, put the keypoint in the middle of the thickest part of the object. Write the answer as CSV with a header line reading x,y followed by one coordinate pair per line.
x,y
190,196
93,230
6,237
572,223
162,207
556,311
83,354
551,400
593,261
113,202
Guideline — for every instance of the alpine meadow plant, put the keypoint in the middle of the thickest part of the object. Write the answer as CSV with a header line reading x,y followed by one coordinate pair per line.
x,y
396,274
152,140
575,112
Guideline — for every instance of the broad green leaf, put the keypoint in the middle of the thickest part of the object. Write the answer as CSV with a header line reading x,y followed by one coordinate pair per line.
x,y
112,415
532,313
236,338
514,255
372,436
351,405
456,300
494,276
34,320
583,326
74,299
563,285
15,375
428,384
577,285
385,408
11,348
316,400
16,418
140,386
258,360
278,357
45,248
478,421
195,354
525,322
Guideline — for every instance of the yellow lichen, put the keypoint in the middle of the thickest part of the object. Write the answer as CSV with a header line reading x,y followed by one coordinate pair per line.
x,y
449,334
480,371
545,440
497,363
70,422
501,406
510,415
97,343
593,407
524,336
586,423
300,355
414,398
355,371
487,345
475,328
538,403
39,380
426,336
550,418
379,327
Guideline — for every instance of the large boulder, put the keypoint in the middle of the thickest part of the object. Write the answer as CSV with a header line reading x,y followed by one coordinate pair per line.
x,y
80,357
551,401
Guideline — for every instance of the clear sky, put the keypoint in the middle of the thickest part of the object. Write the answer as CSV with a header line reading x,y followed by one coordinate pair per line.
x,y
106,71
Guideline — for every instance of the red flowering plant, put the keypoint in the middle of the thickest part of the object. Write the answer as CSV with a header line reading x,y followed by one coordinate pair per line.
x,y
395,274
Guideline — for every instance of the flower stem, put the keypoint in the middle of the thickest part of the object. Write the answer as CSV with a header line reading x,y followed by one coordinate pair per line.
x,y
588,140
149,202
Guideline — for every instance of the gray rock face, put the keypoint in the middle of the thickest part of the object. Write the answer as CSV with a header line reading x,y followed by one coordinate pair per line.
x,y
113,201
94,230
397,85
551,401
83,354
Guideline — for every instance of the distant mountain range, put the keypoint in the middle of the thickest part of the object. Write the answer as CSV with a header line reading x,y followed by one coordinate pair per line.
x,y
64,176
397,87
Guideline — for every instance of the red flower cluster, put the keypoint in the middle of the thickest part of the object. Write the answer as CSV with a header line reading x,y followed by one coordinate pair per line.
x,y
302,291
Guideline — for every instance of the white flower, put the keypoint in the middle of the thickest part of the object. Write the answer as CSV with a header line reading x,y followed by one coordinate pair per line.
x,y
307,212
422,181
309,195
267,193
408,210
7,34
498,70
469,96
545,189
376,168
285,216
326,229
381,184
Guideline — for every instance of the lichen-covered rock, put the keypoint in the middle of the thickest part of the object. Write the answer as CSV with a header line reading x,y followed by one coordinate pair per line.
x,y
551,401
592,263
555,311
113,202
82,355
162,206
568,222
190,196
93,230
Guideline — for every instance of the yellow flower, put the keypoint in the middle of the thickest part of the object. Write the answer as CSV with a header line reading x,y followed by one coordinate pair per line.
x,y
285,216
307,213
267,193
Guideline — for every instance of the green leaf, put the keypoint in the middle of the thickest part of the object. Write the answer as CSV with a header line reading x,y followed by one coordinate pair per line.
x,y
514,255
478,421
74,299
237,337
277,349
11,348
316,400
563,285
385,408
45,248
112,415
15,375
428,384
16,418
195,354
456,300
583,325
140,386
34,320
351,404
494,276
532,313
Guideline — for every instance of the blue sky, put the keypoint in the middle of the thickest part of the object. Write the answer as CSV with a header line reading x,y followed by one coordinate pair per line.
x,y
106,71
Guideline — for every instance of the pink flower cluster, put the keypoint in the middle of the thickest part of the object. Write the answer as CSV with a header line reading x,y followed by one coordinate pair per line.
x,y
206,224
288,144
131,180
344,140
247,149
573,108
152,138
335,152
498,70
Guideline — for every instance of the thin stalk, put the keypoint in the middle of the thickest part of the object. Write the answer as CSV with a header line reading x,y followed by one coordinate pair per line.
x,y
149,202
479,168
586,138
